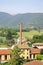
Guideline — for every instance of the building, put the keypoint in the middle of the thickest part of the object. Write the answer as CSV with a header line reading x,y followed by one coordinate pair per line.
x,y
34,52
38,45
5,55
34,62
26,51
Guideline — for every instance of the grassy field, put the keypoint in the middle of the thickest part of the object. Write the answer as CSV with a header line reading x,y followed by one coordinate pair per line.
x,y
3,46
31,33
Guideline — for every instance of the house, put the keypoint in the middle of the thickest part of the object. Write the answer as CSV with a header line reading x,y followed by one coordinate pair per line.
x,y
34,62
34,52
26,51
38,45
5,55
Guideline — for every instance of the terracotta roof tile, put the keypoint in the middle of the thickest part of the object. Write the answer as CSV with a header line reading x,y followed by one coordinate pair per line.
x,y
35,62
5,51
35,51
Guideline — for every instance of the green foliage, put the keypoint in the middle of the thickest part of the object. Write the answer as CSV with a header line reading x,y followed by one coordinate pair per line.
x,y
1,40
6,63
15,57
37,38
9,38
9,35
39,57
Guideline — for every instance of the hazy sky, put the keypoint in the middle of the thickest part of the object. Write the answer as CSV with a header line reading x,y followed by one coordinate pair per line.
x,y
21,6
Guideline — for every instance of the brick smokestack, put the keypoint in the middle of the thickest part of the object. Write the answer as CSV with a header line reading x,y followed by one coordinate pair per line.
x,y
20,33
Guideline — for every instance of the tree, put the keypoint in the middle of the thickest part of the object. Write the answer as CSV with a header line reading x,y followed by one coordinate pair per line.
x,y
15,57
9,35
9,39
1,40
37,38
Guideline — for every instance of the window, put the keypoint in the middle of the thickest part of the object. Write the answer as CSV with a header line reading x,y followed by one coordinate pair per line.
x,y
0,57
33,55
30,51
27,57
10,56
30,55
5,57
27,49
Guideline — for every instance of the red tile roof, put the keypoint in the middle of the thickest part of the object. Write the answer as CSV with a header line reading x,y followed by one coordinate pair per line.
x,y
5,51
35,51
35,62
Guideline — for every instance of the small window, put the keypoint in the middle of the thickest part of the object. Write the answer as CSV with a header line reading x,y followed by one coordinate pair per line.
x,y
5,57
30,55
27,49
27,57
0,57
30,51
10,56
33,55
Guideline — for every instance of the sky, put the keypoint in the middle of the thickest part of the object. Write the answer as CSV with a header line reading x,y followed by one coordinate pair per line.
x,y
21,6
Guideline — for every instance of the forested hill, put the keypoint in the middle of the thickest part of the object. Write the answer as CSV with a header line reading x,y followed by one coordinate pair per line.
x,y
28,20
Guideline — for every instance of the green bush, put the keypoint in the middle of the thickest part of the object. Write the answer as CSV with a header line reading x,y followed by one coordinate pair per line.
x,y
39,57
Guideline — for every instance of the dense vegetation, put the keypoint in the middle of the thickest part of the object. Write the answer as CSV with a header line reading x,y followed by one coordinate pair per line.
x,y
8,36
39,57
37,38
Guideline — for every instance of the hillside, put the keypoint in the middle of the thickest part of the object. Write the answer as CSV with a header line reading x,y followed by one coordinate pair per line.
x,y
28,20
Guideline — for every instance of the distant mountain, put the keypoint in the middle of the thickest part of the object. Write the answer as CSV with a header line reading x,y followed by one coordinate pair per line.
x,y
28,20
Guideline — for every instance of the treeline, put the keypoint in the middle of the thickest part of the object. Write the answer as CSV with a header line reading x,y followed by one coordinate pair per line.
x,y
18,29
36,39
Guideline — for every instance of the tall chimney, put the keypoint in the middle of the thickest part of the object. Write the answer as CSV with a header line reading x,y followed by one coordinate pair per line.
x,y
20,33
